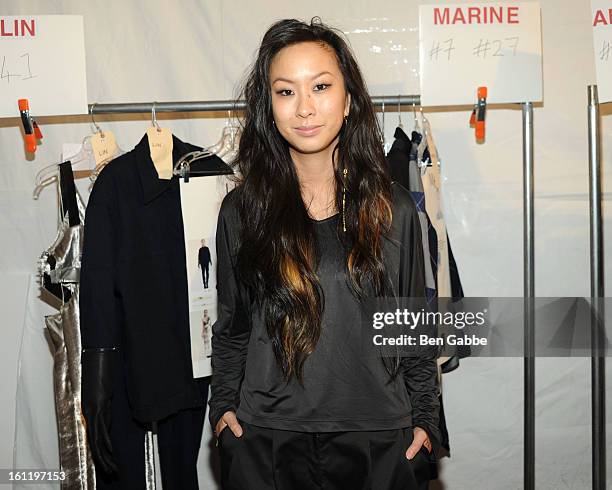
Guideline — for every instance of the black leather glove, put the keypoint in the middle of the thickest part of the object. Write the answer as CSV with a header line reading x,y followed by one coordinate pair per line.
x,y
96,394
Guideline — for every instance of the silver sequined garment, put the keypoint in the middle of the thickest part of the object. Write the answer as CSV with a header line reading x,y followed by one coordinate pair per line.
x,y
65,334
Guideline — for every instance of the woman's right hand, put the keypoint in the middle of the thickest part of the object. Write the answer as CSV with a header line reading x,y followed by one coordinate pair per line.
x,y
229,419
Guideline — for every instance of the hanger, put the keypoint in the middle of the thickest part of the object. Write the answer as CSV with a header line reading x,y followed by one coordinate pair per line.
x,y
224,146
94,174
96,171
183,169
93,121
427,143
399,113
431,145
423,117
383,123
43,178
82,155
182,166
53,169
49,174
417,127
229,138
154,122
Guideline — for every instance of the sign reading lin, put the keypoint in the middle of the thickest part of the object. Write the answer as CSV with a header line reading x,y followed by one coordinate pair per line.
x,y
38,55
494,45
20,28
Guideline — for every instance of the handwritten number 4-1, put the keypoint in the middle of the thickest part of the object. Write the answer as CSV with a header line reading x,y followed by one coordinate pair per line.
x,y
5,73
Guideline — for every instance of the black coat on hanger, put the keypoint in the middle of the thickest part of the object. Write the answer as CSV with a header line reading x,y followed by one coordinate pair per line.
x,y
134,281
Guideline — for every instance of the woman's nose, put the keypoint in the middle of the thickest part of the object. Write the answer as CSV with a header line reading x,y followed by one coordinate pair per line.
x,y
305,106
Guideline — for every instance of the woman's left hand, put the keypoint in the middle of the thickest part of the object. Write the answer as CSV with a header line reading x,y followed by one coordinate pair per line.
x,y
420,439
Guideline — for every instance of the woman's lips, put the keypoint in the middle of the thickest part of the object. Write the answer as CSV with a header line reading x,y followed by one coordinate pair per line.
x,y
308,131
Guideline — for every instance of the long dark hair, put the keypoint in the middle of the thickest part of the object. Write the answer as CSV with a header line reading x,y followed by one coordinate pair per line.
x,y
277,258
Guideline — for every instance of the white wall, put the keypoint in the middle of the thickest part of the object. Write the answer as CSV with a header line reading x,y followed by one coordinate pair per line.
x,y
198,50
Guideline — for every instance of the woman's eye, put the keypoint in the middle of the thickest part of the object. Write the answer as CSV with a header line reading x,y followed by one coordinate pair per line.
x,y
319,86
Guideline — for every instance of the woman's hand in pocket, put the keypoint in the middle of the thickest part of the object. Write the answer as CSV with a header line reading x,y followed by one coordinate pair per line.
x,y
229,419
420,439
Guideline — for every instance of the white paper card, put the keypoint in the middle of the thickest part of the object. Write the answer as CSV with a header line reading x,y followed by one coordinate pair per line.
x,y
466,46
42,59
601,20
200,202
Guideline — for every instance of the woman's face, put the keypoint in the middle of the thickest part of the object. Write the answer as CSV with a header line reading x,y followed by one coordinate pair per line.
x,y
309,101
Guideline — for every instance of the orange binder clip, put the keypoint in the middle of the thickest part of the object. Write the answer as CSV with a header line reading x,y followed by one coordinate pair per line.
x,y
32,132
477,119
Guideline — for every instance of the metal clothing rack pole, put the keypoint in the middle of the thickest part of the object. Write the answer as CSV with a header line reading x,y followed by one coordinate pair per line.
x,y
528,234
598,360
529,297
220,105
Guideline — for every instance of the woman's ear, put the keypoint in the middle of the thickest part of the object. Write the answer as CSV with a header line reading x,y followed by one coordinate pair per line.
x,y
347,105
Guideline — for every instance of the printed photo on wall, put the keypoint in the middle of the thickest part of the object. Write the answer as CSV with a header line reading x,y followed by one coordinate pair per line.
x,y
200,225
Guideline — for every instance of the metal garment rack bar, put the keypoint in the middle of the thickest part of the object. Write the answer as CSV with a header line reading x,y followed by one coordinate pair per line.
x,y
529,295
528,233
221,105
598,360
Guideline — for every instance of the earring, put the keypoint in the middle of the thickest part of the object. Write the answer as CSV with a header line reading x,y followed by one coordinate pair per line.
x,y
344,173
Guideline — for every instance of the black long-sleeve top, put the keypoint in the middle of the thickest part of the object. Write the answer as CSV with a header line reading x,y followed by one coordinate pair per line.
x,y
343,389
204,257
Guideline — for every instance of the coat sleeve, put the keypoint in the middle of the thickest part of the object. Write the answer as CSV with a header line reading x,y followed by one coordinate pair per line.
x,y
420,371
231,331
98,267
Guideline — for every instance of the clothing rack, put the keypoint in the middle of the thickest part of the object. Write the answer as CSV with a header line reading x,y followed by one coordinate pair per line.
x,y
396,101
529,302
221,105
598,359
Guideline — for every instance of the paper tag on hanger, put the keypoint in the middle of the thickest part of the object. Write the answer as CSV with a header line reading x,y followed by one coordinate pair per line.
x,y
104,147
160,147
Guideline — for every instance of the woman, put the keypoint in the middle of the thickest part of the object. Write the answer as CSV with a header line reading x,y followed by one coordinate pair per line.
x,y
312,230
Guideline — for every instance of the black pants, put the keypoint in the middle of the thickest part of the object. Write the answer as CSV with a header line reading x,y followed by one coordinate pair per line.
x,y
205,276
178,443
270,459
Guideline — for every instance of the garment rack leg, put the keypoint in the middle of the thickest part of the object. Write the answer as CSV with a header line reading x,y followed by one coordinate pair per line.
x,y
529,294
598,360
